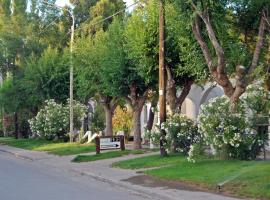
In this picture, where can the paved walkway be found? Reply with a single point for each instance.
(102, 171)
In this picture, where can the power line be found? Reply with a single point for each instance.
(109, 17)
(51, 23)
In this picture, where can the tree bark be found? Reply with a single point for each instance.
(109, 125)
(136, 128)
(151, 118)
(175, 102)
(136, 101)
(16, 126)
(109, 105)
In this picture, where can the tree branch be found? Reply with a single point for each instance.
(184, 93)
(206, 53)
(259, 44)
(128, 100)
(218, 49)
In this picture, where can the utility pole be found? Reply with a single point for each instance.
(71, 110)
(162, 76)
(71, 119)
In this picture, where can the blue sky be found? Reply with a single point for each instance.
(64, 2)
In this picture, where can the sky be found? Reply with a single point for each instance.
(64, 2)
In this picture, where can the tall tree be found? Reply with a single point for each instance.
(206, 15)
(95, 74)
(184, 62)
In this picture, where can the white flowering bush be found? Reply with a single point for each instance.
(257, 104)
(181, 133)
(229, 134)
(256, 99)
(52, 121)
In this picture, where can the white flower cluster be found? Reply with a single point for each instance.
(53, 119)
(223, 129)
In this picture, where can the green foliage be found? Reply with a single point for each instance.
(182, 53)
(101, 64)
(101, 10)
(47, 77)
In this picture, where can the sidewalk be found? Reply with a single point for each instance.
(101, 170)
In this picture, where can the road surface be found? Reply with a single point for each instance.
(25, 180)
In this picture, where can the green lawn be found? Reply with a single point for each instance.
(149, 161)
(57, 148)
(105, 155)
(248, 178)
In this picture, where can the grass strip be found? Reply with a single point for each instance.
(106, 155)
(53, 147)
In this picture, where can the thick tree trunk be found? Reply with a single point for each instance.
(136, 102)
(16, 126)
(109, 126)
(4, 124)
(151, 115)
(150, 120)
(109, 105)
(136, 128)
(175, 102)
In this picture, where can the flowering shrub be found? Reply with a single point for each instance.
(53, 120)
(181, 133)
(228, 134)
(256, 99)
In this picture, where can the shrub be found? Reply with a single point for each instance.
(52, 121)
(229, 134)
(181, 133)
(122, 120)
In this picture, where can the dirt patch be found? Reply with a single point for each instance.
(149, 181)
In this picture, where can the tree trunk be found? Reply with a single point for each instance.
(109, 105)
(150, 121)
(136, 127)
(136, 102)
(162, 76)
(16, 126)
(4, 124)
(109, 126)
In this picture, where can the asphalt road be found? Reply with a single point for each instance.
(25, 180)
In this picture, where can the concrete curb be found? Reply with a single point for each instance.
(135, 188)
(17, 155)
